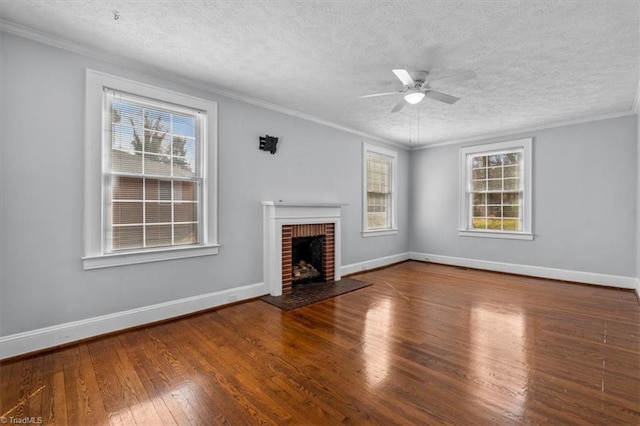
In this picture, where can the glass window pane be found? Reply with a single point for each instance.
(494, 160)
(494, 211)
(126, 212)
(158, 235)
(157, 165)
(184, 160)
(156, 212)
(511, 225)
(479, 173)
(125, 188)
(183, 125)
(511, 171)
(511, 184)
(185, 234)
(185, 212)
(479, 223)
(125, 162)
(126, 237)
(495, 172)
(495, 224)
(511, 211)
(184, 191)
(479, 198)
(511, 198)
(479, 211)
(479, 185)
(511, 158)
(479, 162)
(495, 184)
(494, 198)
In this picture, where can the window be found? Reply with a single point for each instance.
(149, 173)
(379, 192)
(496, 190)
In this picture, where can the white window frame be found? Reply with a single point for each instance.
(95, 163)
(465, 183)
(393, 228)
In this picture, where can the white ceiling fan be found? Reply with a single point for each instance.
(417, 87)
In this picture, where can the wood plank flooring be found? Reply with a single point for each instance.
(426, 344)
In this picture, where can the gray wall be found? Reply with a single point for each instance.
(42, 282)
(584, 201)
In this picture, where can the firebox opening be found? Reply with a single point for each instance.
(306, 257)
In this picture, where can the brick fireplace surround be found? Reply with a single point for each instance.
(285, 221)
(289, 232)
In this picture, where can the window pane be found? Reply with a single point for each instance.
(494, 211)
(495, 185)
(511, 211)
(183, 125)
(479, 162)
(479, 211)
(479, 223)
(479, 198)
(495, 172)
(185, 234)
(184, 160)
(495, 224)
(479, 185)
(158, 235)
(511, 225)
(512, 198)
(127, 237)
(511, 171)
(184, 191)
(511, 184)
(157, 164)
(125, 162)
(494, 198)
(378, 172)
(156, 212)
(511, 158)
(127, 188)
(185, 212)
(124, 213)
(494, 160)
(479, 173)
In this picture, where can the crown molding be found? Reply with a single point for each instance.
(514, 132)
(105, 56)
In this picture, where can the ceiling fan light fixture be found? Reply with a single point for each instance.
(414, 97)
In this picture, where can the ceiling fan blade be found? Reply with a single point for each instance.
(379, 94)
(399, 105)
(452, 79)
(404, 77)
(442, 97)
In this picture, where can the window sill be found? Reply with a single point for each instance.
(132, 258)
(497, 234)
(379, 232)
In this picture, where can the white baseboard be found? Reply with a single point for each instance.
(534, 271)
(36, 340)
(638, 289)
(374, 263)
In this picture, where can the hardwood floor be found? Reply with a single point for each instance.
(426, 344)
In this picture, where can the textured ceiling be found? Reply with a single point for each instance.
(537, 62)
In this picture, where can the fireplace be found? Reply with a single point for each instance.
(307, 247)
(297, 238)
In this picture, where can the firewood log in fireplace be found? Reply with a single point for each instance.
(304, 271)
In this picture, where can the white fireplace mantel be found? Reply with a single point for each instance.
(278, 213)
